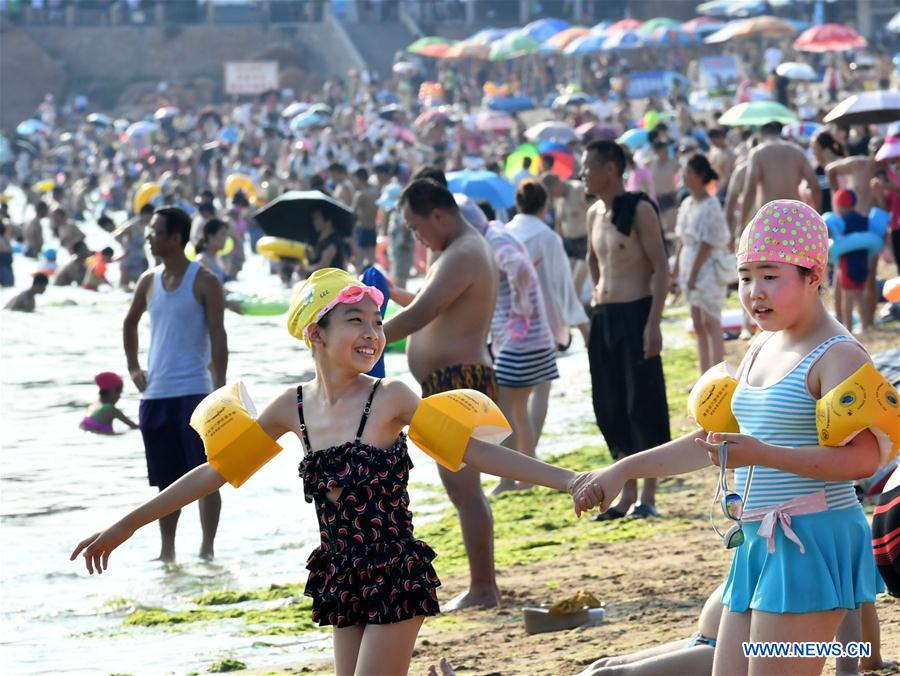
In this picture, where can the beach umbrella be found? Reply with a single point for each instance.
(793, 70)
(294, 109)
(551, 131)
(659, 22)
(31, 127)
(514, 163)
(703, 25)
(591, 131)
(889, 150)
(563, 158)
(483, 185)
(874, 107)
(829, 37)
(587, 44)
(434, 116)
(99, 120)
(757, 113)
(635, 138)
(544, 29)
(166, 113)
(307, 120)
(320, 109)
(623, 41)
(600, 27)
(404, 68)
(496, 121)
(894, 24)
(564, 38)
(513, 46)
(140, 129)
(760, 26)
(671, 37)
(801, 131)
(510, 104)
(734, 8)
(432, 45)
(290, 215)
(623, 25)
(468, 50)
(573, 99)
(488, 35)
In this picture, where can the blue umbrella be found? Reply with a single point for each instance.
(672, 37)
(483, 185)
(544, 29)
(488, 35)
(308, 119)
(545, 147)
(31, 127)
(588, 44)
(623, 40)
(634, 138)
(510, 104)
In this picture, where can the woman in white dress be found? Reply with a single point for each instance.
(702, 247)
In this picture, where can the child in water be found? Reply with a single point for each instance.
(371, 579)
(810, 560)
(102, 412)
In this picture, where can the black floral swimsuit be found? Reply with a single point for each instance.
(369, 568)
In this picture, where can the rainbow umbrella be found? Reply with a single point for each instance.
(756, 114)
(564, 38)
(544, 29)
(432, 45)
(563, 159)
(659, 22)
(829, 37)
(516, 159)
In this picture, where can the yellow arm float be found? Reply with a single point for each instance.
(709, 402)
(444, 423)
(236, 445)
(865, 400)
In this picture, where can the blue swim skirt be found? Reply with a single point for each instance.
(837, 571)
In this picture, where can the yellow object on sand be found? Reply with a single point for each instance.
(236, 446)
(865, 400)
(576, 603)
(444, 423)
(44, 186)
(145, 193)
(241, 182)
(709, 402)
(276, 248)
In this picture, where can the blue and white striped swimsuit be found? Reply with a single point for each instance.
(784, 414)
(836, 568)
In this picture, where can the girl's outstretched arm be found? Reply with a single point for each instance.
(198, 483)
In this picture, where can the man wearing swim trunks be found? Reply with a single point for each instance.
(187, 333)
(628, 266)
(448, 323)
(571, 218)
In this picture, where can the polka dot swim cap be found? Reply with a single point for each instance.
(785, 231)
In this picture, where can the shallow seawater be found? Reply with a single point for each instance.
(59, 485)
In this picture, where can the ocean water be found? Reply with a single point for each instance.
(59, 484)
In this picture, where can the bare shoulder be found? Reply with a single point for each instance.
(400, 399)
(836, 364)
(646, 215)
(469, 251)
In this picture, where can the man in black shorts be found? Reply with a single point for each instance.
(628, 266)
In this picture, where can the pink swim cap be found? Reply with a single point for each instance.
(785, 231)
(108, 381)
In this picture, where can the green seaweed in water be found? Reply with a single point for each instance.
(227, 664)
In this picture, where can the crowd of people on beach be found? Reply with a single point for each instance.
(587, 235)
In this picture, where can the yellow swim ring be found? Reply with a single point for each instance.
(145, 193)
(241, 182)
(276, 248)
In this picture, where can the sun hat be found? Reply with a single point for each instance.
(785, 231)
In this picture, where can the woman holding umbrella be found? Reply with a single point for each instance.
(330, 250)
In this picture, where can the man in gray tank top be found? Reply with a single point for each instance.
(187, 334)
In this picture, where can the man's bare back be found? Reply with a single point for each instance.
(467, 274)
(857, 172)
(775, 170)
(573, 209)
(619, 264)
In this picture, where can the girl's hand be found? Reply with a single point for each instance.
(743, 449)
(99, 546)
(599, 487)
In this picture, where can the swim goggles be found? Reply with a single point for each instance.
(350, 294)
(732, 503)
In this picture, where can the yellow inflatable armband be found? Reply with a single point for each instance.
(444, 423)
(236, 446)
(709, 402)
(865, 400)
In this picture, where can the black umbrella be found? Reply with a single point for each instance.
(290, 215)
(874, 107)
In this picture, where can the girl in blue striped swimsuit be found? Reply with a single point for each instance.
(809, 558)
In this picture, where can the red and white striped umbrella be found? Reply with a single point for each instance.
(829, 37)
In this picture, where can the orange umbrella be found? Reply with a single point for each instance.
(562, 39)
(623, 25)
(829, 37)
(758, 26)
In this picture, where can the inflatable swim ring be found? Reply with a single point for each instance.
(275, 248)
(145, 193)
(241, 182)
(891, 290)
(398, 345)
(856, 241)
(259, 305)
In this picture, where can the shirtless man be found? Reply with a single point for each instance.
(448, 323)
(343, 189)
(628, 266)
(571, 220)
(721, 158)
(775, 170)
(665, 169)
